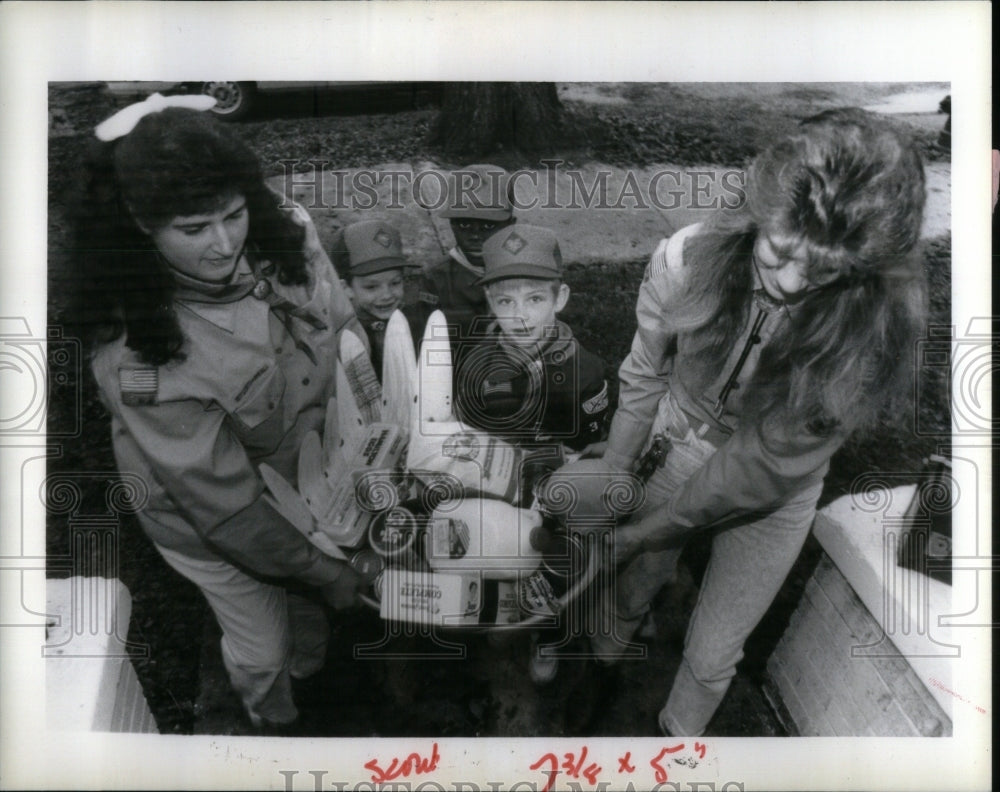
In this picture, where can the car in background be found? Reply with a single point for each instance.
(235, 100)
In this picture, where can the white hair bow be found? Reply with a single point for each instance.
(124, 121)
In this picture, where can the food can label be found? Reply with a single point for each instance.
(449, 538)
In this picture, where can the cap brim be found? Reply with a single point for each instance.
(493, 215)
(379, 265)
(519, 270)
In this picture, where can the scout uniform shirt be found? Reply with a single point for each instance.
(256, 377)
(749, 472)
(454, 283)
(516, 394)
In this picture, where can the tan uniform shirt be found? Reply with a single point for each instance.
(248, 390)
(746, 473)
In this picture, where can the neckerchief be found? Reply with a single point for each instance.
(561, 341)
(192, 289)
(462, 259)
(251, 277)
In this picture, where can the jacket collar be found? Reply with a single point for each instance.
(556, 348)
(460, 257)
(370, 321)
(215, 304)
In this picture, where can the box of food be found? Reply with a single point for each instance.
(433, 598)
(372, 478)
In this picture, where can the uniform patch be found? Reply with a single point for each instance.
(428, 297)
(139, 385)
(514, 244)
(597, 403)
(489, 388)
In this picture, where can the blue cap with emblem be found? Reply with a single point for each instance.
(521, 251)
(372, 246)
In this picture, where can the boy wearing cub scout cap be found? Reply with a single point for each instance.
(478, 204)
(368, 255)
(527, 378)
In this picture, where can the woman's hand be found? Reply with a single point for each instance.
(648, 535)
(342, 593)
(594, 450)
(627, 542)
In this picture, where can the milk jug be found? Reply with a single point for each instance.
(486, 535)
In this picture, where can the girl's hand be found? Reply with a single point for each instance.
(627, 542)
(594, 450)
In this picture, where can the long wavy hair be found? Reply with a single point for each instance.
(850, 188)
(174, 163)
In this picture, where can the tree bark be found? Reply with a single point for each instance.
(484, 118)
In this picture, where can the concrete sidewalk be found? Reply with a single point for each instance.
(600, 213)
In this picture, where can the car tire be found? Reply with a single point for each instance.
(233, 99)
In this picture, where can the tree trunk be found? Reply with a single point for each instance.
(483, 118)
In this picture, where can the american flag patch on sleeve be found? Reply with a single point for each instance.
(138, 386)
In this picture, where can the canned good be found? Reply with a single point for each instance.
(396, 536)
(536, 595)
(393, 532)
(564, 561)
(367, 563)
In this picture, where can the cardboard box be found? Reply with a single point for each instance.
(371, 474)
(430, 598)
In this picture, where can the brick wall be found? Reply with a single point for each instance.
(90, 684)
(820, 688)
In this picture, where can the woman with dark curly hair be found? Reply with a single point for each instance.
(215, 318)
(765, 337)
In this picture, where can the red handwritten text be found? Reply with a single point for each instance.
(572, 766)
(937, 683)
(576, 764)
(414, 763)
(659, 771)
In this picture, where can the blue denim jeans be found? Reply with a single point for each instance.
(750, 559)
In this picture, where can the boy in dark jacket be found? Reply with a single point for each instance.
(525, 378)
(478, 205)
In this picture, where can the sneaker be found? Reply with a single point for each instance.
(593, 693)
(647, 630)
(265, 727)
(661, 724)
(542, 668)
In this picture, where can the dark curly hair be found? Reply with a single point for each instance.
(174, 163)
(851, 188)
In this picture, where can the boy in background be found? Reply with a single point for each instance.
(479, 203)
(369, 258)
